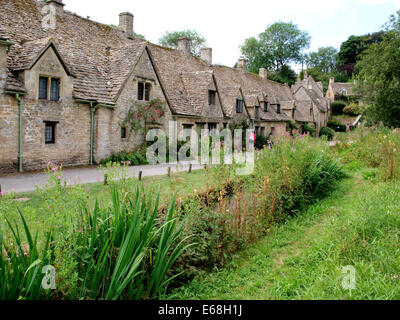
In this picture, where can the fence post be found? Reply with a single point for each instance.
(106, 179)
(190, 168)
(140, 175)
(169, 171)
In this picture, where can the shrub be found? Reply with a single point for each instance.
(260, 142)
(337, 126)
(337, 107)
(328, 132)
(135, 158)
(309, 129)
(352, 109)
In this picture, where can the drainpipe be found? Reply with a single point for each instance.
(20, 126)
(92, 113)
(93, 107)
(20, 131)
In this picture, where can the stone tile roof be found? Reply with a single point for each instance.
(100, 57)
(302, 112)
(184, 77)
(338, 87)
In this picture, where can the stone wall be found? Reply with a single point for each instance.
(72, 131)
(108, 123)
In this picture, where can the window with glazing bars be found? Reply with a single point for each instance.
(43, 87)
(50, 132)
(140, 91)
(239, 106)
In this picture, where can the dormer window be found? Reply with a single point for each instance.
(257, 112)
(265, 106)
(278, 108)
(49, 87)
(239, 106)
(212, 97)
(147, 89)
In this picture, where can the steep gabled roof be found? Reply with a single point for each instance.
(178, 72)
(338, 87)
(99, 56)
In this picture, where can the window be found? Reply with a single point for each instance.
(257, 112)
(123, 133)
(140, 90)
(55, 89)
(43, 87)
(44, 92)
(265, 106)
(344, 92)
(147, 91)
(239, 106)
(211, 97)
(212, 127)
(278, 108)
(50, 132)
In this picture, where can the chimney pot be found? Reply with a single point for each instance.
(263, 73)
(206, 55)
(241, 64)
(58, 5)
(126, 23)
(331, 80)
(184, 45)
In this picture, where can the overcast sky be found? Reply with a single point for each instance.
(227, 23)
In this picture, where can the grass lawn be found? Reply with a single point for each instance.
(38, 208)
(357, 225)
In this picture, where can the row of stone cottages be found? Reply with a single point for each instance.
(65, 92)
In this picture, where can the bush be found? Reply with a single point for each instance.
(135, 158)
(352, 110)
(337, 107)
(260, 142)
(337, 126)
(309, 129)
(328, 132)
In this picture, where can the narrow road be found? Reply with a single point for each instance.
(24, 182)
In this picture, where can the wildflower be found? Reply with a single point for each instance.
(59, 177)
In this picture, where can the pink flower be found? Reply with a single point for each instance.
(2, 193)
(59, 177)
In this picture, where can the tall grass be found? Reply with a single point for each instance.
(112, 249)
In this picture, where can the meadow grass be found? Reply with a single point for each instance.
(358, 225)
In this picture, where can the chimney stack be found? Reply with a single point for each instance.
(206, 55)
(263, 73)
(126, 23)
(58, 5)
(331, 81)
(241, 65)
(184, 45)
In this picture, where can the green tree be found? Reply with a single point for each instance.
(285, 75)
(324, 60)
(379, 77)
(279, 45)
(170, 40)
(351, 50)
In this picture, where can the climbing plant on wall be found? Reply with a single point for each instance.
(141, 114)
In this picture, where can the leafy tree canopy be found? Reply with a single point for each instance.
(170, 40)
(379, 76)
(351, 50)
(279, 45)
(323, 60)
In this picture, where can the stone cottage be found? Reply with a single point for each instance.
(68, 85)
(339, 89)
(311, 105)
